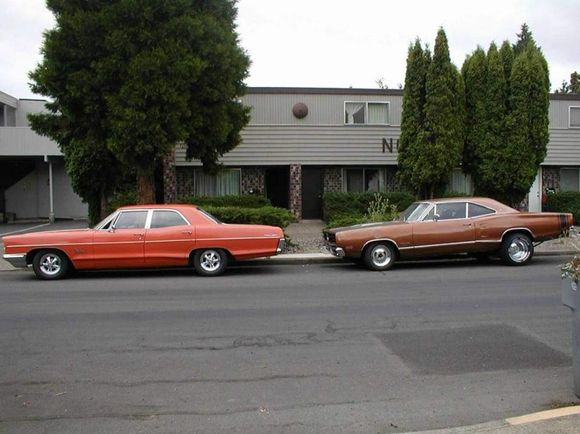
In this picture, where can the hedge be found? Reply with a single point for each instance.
(566, 201)
(243, 201)
(339, 205)
(266, 215)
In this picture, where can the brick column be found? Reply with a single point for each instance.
(295, 192)
(169, 178)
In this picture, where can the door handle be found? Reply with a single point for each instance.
(186, 232)
(138, 235)
(466, 224)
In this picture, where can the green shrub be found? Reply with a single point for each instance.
(122, 198)
(566, 201)
(243, 201)
(336, 205)
(456, 194)
(267, 215)
(344, 220)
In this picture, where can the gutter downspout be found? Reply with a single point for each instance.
(50, 190)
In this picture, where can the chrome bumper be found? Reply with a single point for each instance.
(333, 250)
(16, 259)
(281, 245)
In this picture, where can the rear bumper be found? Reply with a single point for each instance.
(16, 259)
(281, 245)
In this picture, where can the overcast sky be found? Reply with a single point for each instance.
(337, 43)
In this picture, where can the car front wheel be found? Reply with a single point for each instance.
(50, 265)
(517, 249)
(210, 262)
(379, 256)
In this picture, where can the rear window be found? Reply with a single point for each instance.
(479, 210)
(166, 219)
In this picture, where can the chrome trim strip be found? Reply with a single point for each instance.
(382, 239)
(518, 229)
(450, 244)
(236, 238)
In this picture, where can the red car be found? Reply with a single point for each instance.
(143, 237)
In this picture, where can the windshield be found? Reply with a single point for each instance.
(413, 212)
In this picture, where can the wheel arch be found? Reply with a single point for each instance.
(192, 253)
(381, 240)
(31, 254)
(511, 231)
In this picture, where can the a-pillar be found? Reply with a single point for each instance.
(169, 178)
(295, 191)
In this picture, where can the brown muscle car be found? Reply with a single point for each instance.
(144, 236)
(478, 226)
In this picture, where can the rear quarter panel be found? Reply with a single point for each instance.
(242, 241)
(543, 226)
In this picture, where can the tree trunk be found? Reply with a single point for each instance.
(145, 188)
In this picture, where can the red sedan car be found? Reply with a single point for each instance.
(144, 237)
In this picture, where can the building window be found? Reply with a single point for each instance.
(363, 179)
(574, 117)
(370, 113)
(2, 123)
(569, 180)
(460, 183)
(224, 183)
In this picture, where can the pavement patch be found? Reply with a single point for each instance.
(471, 349)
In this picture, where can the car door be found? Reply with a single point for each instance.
(120, 244)
(169, 239)
(444, 230)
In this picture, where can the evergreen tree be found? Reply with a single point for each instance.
(474, 73)
(525, 39)
(412, 116)
(132, 78)
(506, 55)
(575, 82)
(442, 135)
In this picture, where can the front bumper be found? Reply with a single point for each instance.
(334, 250)
(16, 259)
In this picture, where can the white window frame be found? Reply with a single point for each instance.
(366, 114)
(570, 116)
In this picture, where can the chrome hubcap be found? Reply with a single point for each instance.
(50, 264)
(210, 260)
(381, 256)
(519, 250)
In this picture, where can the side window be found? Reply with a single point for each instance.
(131, 220)
(449, 211)
(165, 219)
(477, 210)
(430, 215)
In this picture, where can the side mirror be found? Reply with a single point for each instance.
(436, 217)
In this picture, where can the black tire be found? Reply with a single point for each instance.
(210, 262)
(379, 256)
(517, 249)
(50, 265)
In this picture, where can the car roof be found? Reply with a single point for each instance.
(485, 201)
(159, 206)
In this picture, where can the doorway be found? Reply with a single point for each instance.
(312, 187)
(277, 183)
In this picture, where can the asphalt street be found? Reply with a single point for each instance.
(326, 348)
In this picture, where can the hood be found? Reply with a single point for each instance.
(44, 237)
(364, 226)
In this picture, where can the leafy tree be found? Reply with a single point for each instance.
(441, 138)
(412, 117)
(575, 82)
(155, 74)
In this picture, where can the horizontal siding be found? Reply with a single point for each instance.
(559, 114)
(322, 145)
(268, 109)
(564, 147)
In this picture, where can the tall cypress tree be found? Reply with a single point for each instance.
(474, 73)
(441, 139)
(413, 113)
(506, 55)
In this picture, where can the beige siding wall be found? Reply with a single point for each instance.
(276, 109)
(559, 113)
(321, 145)
(564, 147)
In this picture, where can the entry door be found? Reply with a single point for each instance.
(311, 193)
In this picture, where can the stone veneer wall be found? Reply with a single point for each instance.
(169, 178)
(551, 177)
(295, 193)
(184, 181)
(253, 180)
(332, 179)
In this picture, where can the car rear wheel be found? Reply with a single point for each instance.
(379, 256)
(517, 249)
(210, 262)
(50, 265)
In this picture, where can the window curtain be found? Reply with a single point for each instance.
(375, 180)
(351, 109)
(378, 113)
(569, 180)
(460, 183)
(226, 182)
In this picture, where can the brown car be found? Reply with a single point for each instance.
(474, 225)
